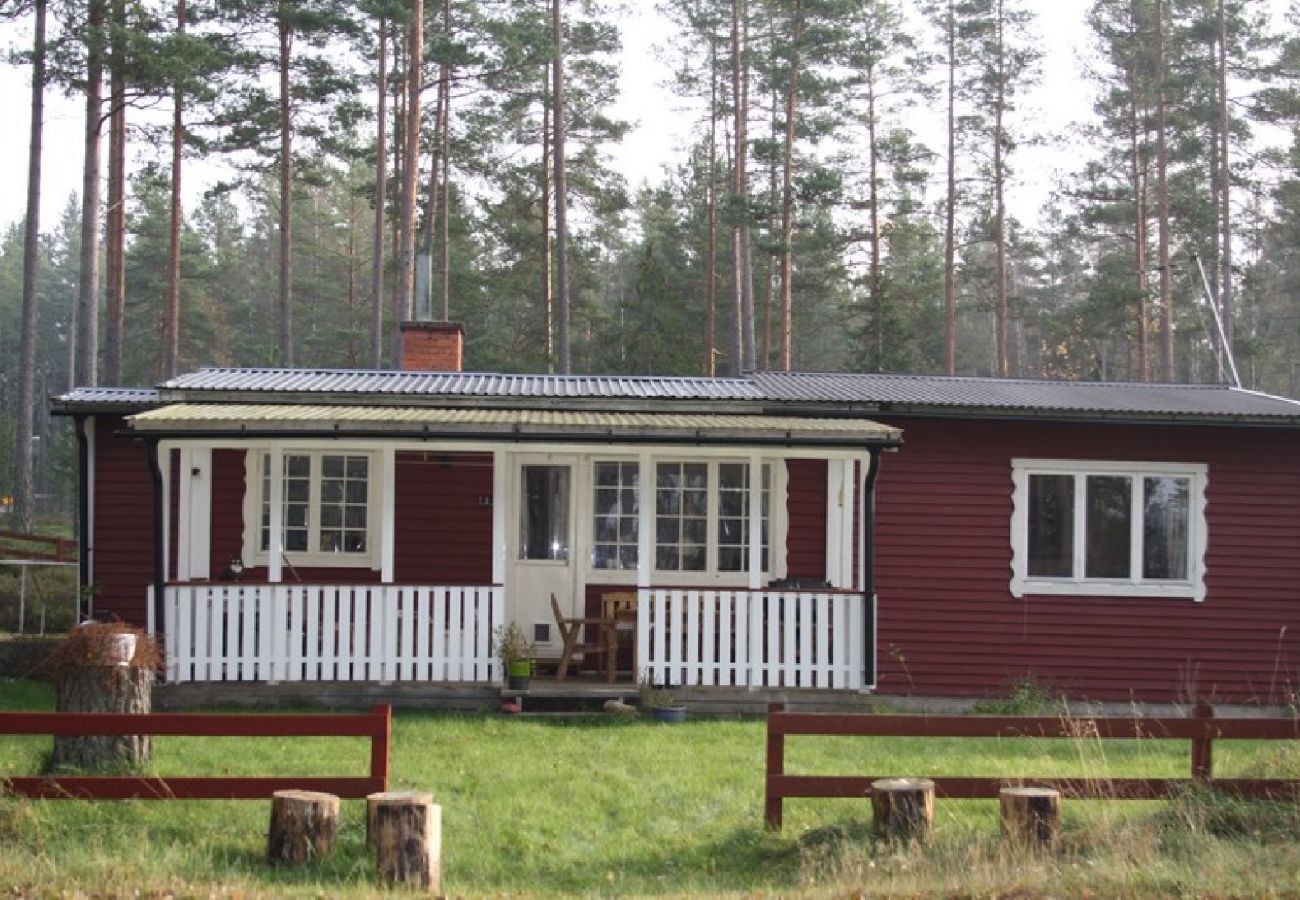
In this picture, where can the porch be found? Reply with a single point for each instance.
(392, 634)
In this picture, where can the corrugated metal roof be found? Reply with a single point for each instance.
(464, 384)
(1027, 395)
(104, 397)
(290, 418)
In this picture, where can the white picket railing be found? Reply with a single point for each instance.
(300, 632)
(751, 638)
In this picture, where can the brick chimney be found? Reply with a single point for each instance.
(433, 346)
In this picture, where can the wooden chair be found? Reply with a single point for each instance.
(618, 610)
(572, 628)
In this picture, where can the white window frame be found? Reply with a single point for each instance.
(253, 554)
(776, 527)
(1193, 587)
(711, 570)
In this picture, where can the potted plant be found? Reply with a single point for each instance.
(516, 654)
(662, 703)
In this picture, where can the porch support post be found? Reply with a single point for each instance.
(499, 517)
(85, 429)
(387, 514)
(275, 541)
(159, 530)
(645, 519)
(165, 470)
(839, 522)
(194, 519)
(867, 567)
(755, 521)
(645, 523)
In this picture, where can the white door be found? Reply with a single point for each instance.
(542, 546)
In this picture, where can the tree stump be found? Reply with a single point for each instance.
(1030, 815)
(408, 839)
(303, 826)
(94, 688)
(903, 808)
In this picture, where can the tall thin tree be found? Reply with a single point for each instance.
(172, 317)
(86, 371)
(24, 486)
(410, 159)
(562, 312)
(115, 211)
(381, 186)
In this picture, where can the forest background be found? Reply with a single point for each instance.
(855, 185)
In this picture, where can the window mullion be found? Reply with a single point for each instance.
(1136, 518)
(1080, 526)
(712, 507)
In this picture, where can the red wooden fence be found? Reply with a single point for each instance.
(18, 545)
(1201, 731)
(376, 725)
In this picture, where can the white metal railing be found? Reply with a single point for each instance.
(301, 632)
(751, 638)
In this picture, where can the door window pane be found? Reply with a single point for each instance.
(1166, 510)
(1108, 548)
(544, 513)
(1051, 526)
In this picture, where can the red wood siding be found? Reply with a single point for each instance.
(444, 532)
(947, 621)
(227, 509)
(805, 543)
(123, 526)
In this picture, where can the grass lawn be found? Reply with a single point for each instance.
(591, 805)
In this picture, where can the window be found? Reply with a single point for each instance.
(544, 518)
(702, 516)
(1103, 528)
(327, 508)
(615, 510)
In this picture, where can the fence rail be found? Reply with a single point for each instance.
(376, 725)
(18, 545)
(299, 632)
(752, 638)
(1201, 730)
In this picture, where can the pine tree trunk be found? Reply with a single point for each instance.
(1137, 185)
(561, 200)
(115, 229)
(1001, 367)
(746, 245)
(410, 161)
(381, 190)
(445, 118)
(1226, 301)
(875, 282)
(1162, 203)
(172, 329)
(117, 689)
(950, 207)
(87, 357)
(787, 194)
(24, 484)
(711, 202)
(285, 320)
(548, 244)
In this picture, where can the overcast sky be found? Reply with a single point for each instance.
(661, 125)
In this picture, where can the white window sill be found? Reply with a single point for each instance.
(1181, 590)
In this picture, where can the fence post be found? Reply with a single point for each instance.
(379, 745)
(775, 767)
(1203, 745)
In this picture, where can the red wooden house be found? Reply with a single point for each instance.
(1114, 540)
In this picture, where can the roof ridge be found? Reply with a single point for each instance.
(996, 379)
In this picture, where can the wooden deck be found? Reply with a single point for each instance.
(543, 695)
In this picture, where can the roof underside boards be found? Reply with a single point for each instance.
(463, 384)
(1084, 398)
(516, 425)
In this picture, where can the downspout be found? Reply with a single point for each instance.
(159, 567)
(869, 568)
(84, 600)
